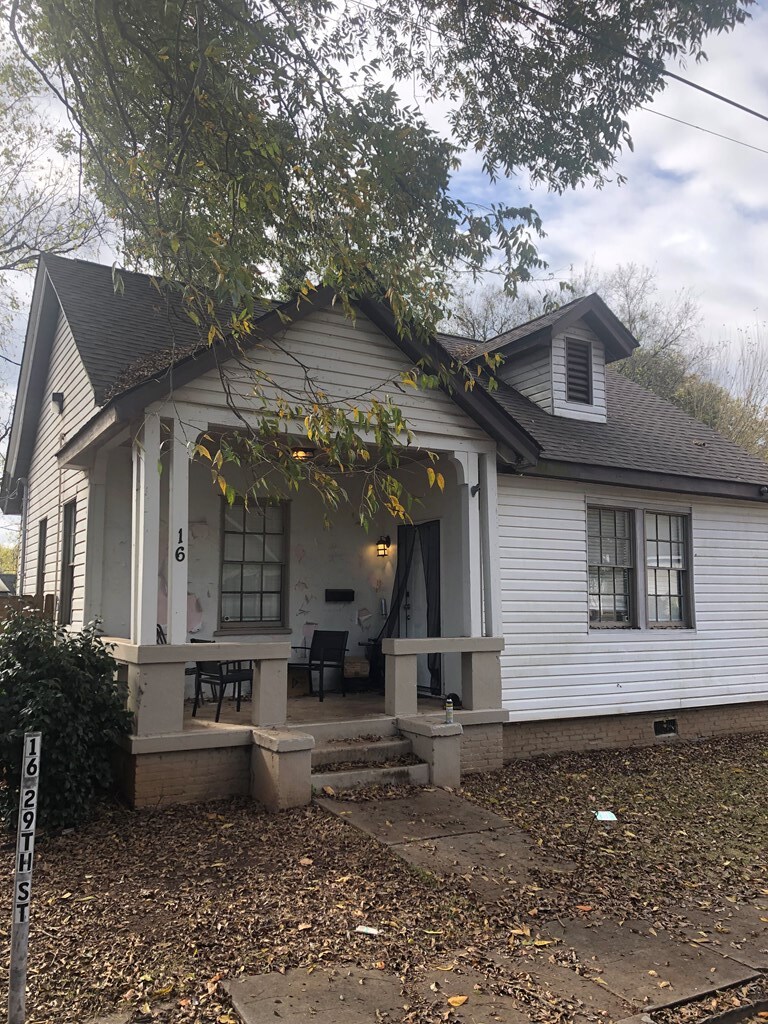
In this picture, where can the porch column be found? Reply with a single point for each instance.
(489, 545)
(146, 531)
(470, 581)
(178, 534)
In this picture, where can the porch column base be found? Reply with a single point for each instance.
(156, 697)
(439, 745)
(481, 679)
(281, 768)
(400, 693)
(269, 706)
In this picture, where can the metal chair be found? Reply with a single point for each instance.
(326, 650)
(219, 675)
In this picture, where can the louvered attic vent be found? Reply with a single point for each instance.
(578, 371)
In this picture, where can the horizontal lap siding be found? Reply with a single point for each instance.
(555, 667)
(347, 361)
(48, 487)
(532, 379)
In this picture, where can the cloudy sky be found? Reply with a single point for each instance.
(695, 206)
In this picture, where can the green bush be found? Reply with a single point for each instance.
(61, 684)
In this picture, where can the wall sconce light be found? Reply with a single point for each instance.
(382, 546)
(302, 454)
(57, 399)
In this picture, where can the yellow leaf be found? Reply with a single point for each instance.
(457, 1000)
(223, 485)
(441, 481)
(431, 476)
(202, 450)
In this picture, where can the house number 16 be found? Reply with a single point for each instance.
(180, 553)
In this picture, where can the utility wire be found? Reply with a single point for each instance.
(8, 360)
(701, 128)
(640, 60)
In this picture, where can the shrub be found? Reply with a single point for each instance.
(61, 684)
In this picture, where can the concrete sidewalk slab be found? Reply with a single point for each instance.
(484, 1000)
(646, 969)
(739, 932)
(427, 815)
(490, 862)
(325, 996)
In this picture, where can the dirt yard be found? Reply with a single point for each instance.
(148, 912)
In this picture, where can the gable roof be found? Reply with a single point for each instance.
(618, 341)
(138, 344)
(135, 327)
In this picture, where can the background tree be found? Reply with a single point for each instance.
(243, 142)
(42, 206)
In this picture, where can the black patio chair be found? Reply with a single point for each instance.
(326, 650)
(219, 675)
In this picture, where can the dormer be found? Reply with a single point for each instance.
(558, 360)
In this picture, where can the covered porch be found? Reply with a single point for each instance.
(175, 555)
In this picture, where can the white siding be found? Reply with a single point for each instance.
(554, 666)
(532, 378)
(576, 410)
(51, 487)
(344, 359)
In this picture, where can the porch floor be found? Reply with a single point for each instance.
(306, 709)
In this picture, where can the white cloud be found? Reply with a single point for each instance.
(695, 206)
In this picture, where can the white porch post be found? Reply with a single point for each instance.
(489, 544)
(178, 535)
(146, 531)
(471, 589)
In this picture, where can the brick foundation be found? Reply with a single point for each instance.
(184, 776)
(482, 748)
(531, 739)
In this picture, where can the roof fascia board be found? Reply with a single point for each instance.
(476, 403)
(582, 472)
(33, 375)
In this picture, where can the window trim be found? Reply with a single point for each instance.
(581, 342)
(632, 619)
(67, 567)
(42, 551)
(240, 626)
(640, 591)
(689, 619)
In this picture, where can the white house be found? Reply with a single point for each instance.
(593, 574)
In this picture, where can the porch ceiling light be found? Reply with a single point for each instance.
(382, 546)
(302, 454)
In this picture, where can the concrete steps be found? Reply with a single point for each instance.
(324, 731)
(401, 775)
(371, 751)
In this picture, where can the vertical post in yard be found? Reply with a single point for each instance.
(22, 884)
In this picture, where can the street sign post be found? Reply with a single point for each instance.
(22, 885)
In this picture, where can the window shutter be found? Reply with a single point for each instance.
(578, 371)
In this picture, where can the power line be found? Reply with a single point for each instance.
(701, 128)
(8, 360)
(640, 60)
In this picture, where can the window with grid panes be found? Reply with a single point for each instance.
(253, 564)
(610, 539)
(666, 569)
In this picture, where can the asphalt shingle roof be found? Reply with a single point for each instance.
(129, 336)
(642, 432)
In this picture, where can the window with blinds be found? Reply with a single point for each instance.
(578, 371)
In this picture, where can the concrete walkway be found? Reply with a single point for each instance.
(630, 968)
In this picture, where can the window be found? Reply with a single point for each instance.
(253, 564)
(666, 560)
(67, 563)
(578, 371)
(639, 569)
(42, 540)
(611, 567)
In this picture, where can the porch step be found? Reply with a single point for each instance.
(370, 751)
(403, 775)
(325, 731)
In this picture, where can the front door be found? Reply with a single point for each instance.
(420, 612)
